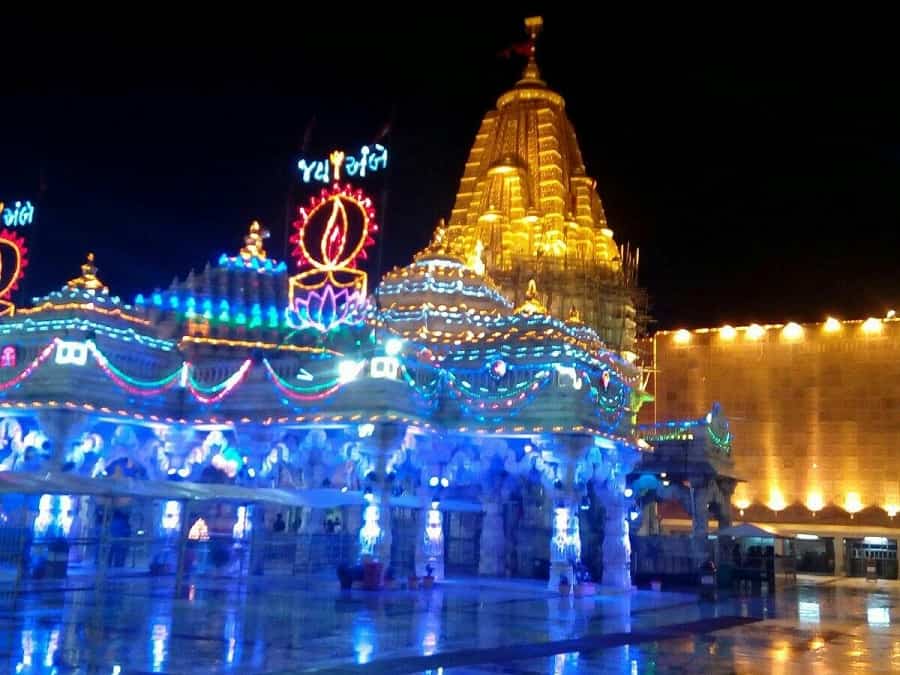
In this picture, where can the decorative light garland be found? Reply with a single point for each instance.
(479, 401)
(85, 306)
(30, 368)
(226, 342)
(124, 334)
(131, 384)
(223, 388)
(194, 385)
(315, 393)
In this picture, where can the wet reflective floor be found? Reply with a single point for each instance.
(468, 626)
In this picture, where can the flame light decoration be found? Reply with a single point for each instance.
(13, 261)
(331, 236)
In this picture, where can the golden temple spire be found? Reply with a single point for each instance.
(532, 304)
(574, 316)
(253, 242)
(526, 195)
(88, 279)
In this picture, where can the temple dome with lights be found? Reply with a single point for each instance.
(526, 199)
(441, 294)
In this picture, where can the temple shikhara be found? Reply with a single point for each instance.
(472, 412)
(526, 201)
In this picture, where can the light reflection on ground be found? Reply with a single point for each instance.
(471, 626)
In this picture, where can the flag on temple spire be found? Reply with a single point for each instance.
(524, 48)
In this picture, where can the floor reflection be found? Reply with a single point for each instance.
(464, 627)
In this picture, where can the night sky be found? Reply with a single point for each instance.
(757, 170)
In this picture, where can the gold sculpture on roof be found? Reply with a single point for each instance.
(532, 304)
(88, 279)
(253, 242)
(574, 316)
(437, 248)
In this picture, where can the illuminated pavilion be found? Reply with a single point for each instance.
(477, 412)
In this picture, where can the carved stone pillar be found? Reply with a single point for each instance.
(726, 489)
(492, 553)
(565, 542)
(385, 439)
(616, 540)
(616, 535)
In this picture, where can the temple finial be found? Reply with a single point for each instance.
(533, 24)
(253, 242)
(438, 244)
(532, 304)
(88, 279)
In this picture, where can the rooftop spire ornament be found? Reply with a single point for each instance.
(88, 280)
(438, 245)
(533, 24)
(253, 242)
(532, 304)
(332, 234)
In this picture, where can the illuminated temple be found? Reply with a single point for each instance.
(475, 412)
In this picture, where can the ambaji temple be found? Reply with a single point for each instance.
(473, 413)
(494, 407)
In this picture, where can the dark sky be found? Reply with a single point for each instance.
(756, 167)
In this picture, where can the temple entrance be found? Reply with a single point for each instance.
(462, 536)
(405, 529)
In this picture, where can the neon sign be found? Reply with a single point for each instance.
(331, 236)
(19, 215)
(8, 357)
(13, 261)
(328, 170)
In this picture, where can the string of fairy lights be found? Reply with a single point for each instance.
(608, 393)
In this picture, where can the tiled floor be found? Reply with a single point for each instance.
(469, 626)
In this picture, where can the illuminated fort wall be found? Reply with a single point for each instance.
(815, 408)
